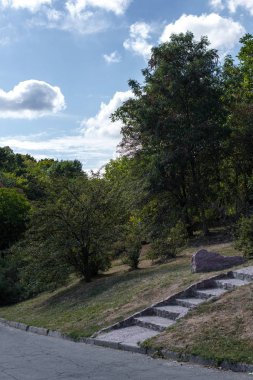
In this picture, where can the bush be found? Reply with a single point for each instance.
(244, 236)
(10, 289)
(168, 247)
(14, 209)
(132, 255)
(132, 243)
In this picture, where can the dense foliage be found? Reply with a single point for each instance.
(186, 165)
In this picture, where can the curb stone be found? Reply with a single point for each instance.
(225, 365)
(38, 330)
(169, 355)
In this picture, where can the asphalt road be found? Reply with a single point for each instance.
(27, 356)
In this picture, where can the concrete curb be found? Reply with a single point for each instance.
(225, 365)
(35, 330)
(168, 355)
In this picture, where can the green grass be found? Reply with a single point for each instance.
(81, 309)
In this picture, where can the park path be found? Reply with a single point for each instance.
(28, 356)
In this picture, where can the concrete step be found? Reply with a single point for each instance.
(132, 335)
(189, 302)
(153, 322)
(230, 283)
(171, 311)
(244, 274)
(210, 292)
(147, 326)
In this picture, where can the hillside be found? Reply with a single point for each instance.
(80, 309)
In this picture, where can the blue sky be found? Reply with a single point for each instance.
(65, 65)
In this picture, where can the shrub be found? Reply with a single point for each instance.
(244, 236)
(132, 254)
(10, 289)
(14, 209)
(132, 243)
(169, 246)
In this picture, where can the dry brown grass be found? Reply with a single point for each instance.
(221, 330)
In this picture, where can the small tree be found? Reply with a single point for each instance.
(244, 236)
(133, 243)
(168, 247)
(72, 232)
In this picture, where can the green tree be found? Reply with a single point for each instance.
(14, 209)
(71, 232)
(175, 121)
(237, 98)
(132, 243)
(66, 168)
(169, 246)
(7, 159)
(244, 236)
(10, 288)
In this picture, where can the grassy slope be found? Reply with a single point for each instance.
(220, 330)
(81, 309)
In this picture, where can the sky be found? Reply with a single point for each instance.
(65, 65)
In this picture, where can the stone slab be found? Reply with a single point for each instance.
(244, 273)
(212, 292)
(18, 325)
(205, 261)
(153, 320)
(231, 283)
(128, 335)
(189, 302)
(171, 311)
(38, 330)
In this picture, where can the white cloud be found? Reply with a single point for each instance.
(85, 22)
(222, 32)
(94, 145)
(32, 5)
(75, 7)
(82, 16)
(31, 99)
(233, 5)
(217, 4)
(101, 125)
(114, 57)
(53, 15)
(138, 40)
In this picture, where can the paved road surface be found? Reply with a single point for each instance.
(27, 356)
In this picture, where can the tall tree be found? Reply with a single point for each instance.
(237, 98)
(175, 119)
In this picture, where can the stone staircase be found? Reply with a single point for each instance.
(131, 332)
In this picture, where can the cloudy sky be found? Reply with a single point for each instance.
(65, 65)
